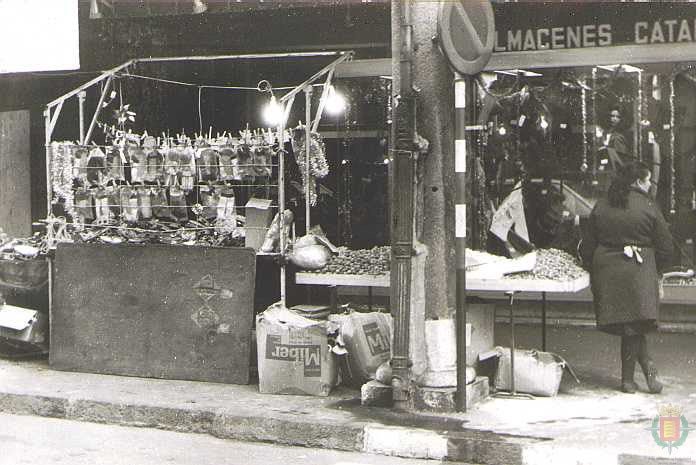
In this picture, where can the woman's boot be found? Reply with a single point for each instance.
(629, 355)
(648, 365)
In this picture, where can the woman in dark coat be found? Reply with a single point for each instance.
(626, 248)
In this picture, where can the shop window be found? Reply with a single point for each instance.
(559, 135)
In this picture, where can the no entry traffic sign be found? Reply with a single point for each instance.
(467, 33)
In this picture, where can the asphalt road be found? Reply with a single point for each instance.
(28, 440)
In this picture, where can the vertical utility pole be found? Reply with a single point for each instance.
(403, 136)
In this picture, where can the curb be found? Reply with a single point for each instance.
(471, 446)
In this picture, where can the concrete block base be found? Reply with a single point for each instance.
(376, 394)
(443, 399)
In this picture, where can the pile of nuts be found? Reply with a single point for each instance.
(553, 264)
(372, 261)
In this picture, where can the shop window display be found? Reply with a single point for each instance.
(559, 135)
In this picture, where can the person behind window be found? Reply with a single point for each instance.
(615, 147)
(626, 246)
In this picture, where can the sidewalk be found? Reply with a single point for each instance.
(590, 423)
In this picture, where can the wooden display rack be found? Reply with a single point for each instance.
(53, 110)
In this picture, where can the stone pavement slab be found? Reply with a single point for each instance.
(583, 425)
(590, 423)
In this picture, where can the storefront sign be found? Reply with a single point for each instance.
(548, 26)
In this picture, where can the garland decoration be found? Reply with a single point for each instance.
(584, 166)
(318, 166)
(62, 175)
(594, 110)
(672, 151)
(639, 118)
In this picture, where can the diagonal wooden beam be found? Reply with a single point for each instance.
(98, 109)
(345, 56)
(54, 119)
(322, 100)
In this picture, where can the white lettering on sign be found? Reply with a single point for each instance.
(588, 35)
(665, 32)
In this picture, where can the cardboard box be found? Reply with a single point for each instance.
(293, 354)
(259, 215)
(22, 324)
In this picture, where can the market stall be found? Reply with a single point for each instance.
(158, 231)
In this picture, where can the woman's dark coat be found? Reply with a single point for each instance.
(626, 291)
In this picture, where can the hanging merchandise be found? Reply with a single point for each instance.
(83, 205)
(114, 163)
(101, 202)
(245, 161)
(138, 163)
(483, 214)
(177, 201)
(209, 199)
(145, 202)
(160, 204)
(113, 200)
(262, 156)
(208, 163)
(80, 158)
(187, 168)
(228, 164)
(155, 165)
(96, 166)
(172, 160)
(129, 204)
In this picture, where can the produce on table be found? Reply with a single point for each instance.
(553, 264)
(372, 261)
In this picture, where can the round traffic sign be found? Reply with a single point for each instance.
(467, 33)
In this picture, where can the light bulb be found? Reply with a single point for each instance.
(502, 131)
(335, 103)
(544, 124)
(199, 7)
(273, 112)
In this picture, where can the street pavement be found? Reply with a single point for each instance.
(26, 440)
(590, 423)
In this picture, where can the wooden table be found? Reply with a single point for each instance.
(511, 286)
(334, 280)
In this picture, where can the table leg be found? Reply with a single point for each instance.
(512, 345)
(543, 321)
(333, 298)
(513, 391)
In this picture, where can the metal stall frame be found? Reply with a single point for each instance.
(53, 110)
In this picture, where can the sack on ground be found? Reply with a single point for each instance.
(537, 373)
(367, 340)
